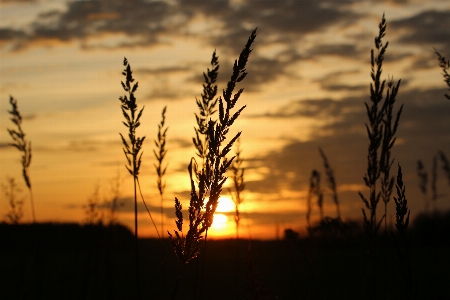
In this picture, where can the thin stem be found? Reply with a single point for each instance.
(32, 205)
(148, 211)
(136, 240)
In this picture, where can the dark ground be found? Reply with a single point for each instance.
(69, 261)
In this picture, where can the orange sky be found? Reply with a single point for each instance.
(307, 83)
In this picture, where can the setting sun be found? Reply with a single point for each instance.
(225, 204)
(219, 221)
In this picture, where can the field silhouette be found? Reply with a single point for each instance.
(71, 261)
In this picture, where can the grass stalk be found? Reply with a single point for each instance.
(314, 191)
(403, 243)
(445, 165)
(381, 131)
(160, 154)
(11, 191)
(132, 148)
(24, 146)
(445, 66)
(211, 177)
(331, 182)
(237, 175)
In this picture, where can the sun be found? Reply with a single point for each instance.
(225, 204)
(219, 222)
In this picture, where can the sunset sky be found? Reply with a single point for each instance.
(308, 78)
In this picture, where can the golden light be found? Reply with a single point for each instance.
(219, 221)
(225, 204)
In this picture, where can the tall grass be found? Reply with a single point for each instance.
(132, 148)
(160, 153)
(331, 182)
(445, 165)
(211, 178)
(207, 108)
(445, 66)
(381, 131)
(24, 146)
(237, 175)
(92, 208)
(11, 191)
(403, 243)
(314, 191)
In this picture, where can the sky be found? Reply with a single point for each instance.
(308, 78)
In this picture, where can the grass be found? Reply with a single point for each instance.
(160, 153)
(403, 243)
(445, 66)
(331, 182)
(237, 175)
(323, 266)
(24, 146)
(12, 191)
(381, 131)
(211, 177)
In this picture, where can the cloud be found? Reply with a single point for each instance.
(5, 145)
(344, 139)
(85, 19)
(343, 50)
(428, 27)
(316, 108)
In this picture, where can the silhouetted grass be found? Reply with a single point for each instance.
(381, 131)
(95, 261)
(331, 182)
(24, 146)
(212, 176)
(445, 66)
(403, 243)
(314, 191)
(11, 192)
(160, 154)
(423, 183)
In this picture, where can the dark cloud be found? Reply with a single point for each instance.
(10, 34)
(333, 82)
(163, 70)
(182, 143)
(5, 145)
(148, 21)
(84, 19)
(17, 1)
(344, 139)
(277, 20)
(316, 108)
(167, 92)
(343, 50)
(429, 27)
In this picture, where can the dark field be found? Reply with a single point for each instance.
(69, 261)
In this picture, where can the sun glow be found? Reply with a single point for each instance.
(223, 224)
(219, 222)
(225, 204)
